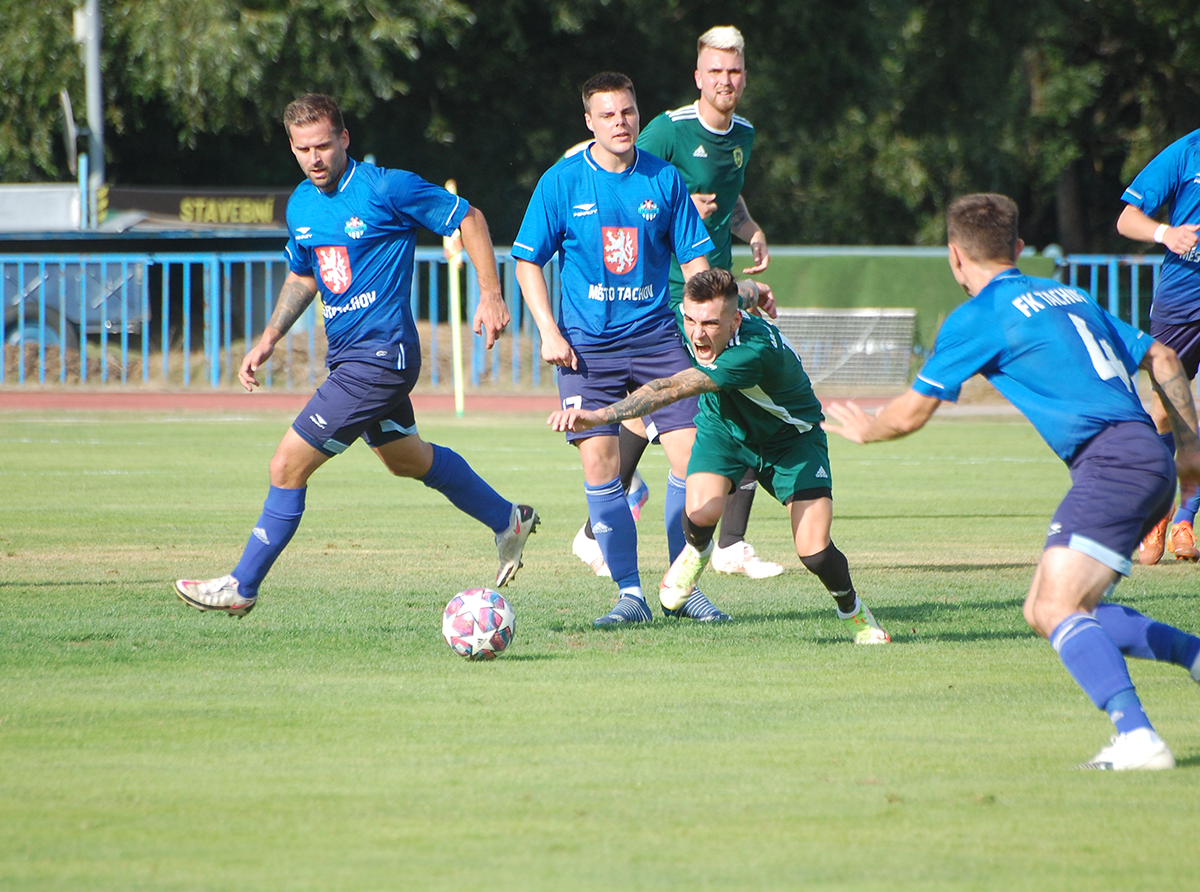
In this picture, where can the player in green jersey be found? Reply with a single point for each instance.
(710, 145)
(757, 413)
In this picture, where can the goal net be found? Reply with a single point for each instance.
(852, 348)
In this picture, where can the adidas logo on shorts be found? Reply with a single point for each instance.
(821, 474)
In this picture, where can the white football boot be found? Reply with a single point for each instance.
(511, 542)
(1139, 750)
(588, 551)
(740, 558)
(219, 594)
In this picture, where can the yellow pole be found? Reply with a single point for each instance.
(452, 245)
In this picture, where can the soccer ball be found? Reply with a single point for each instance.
(478, 623)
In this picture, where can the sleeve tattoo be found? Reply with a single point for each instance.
(1176, 396)
(294, 298)
(660, 392)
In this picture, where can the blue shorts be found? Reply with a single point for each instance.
(1184, 339)
(605, 378)
(1122, 482)
(359, 400)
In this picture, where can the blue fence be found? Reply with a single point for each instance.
(173, 319)
(1124, 284)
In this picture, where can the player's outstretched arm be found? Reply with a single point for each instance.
(744, 227)
(1174, 391)
(294, 297)
(1134, 224)
(650, 397)
(555, 349)
(900, 417)
(491, 316)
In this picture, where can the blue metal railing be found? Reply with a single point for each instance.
(134, 315)
(1124, 284)
(151, 303)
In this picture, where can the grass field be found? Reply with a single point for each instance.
(331, 740)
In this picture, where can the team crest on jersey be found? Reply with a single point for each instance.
(356, 227)
(648, 210)
(620, 248)
(739, 156)
(334, 264)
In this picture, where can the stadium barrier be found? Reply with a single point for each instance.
(167, 320)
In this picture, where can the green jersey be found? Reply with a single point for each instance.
(765, 398)
(711, 162)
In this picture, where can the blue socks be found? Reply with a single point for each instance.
(467, 491)
(280, 518)
(615, 531)
(1139, 636)
(1098, 667)
(673, 506)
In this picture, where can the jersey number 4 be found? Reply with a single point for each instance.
(1104, 360)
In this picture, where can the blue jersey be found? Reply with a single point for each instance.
(1173, 177)
(1050, 349)
(616, 233)
(358, 243)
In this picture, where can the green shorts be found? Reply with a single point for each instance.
(795, 469)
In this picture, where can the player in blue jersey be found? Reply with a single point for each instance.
(352, 230)
(1171, 179)
(1067, 365)
(616, 215)
(710, 145)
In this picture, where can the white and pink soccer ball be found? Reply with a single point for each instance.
(478, 624)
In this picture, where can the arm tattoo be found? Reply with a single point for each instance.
(658, 393)
(740, 216)
(294, 298)
(1175, 394)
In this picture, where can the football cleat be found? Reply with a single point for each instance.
(219, 594)
(1150, 549)
(637, 494)
(588, 551)
(1139, 750)
(699, 608)
(1183, 542)
(866, 630)
(682, 576)
(740, 558)
(511, 542)
(627, 610)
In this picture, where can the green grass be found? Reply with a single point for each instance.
(332, 741)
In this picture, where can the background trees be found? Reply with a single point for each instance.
(871, 114)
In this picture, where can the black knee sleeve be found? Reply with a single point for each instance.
(832, 568)
(698, 537)
(737, 510)
(632, 447)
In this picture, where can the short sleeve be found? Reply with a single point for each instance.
(1157, 183)
(540, 235)
(689, 236)
(962, 349)
(418, 201)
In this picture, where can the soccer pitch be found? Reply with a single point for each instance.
(331, 740)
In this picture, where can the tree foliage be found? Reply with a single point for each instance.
(871, 114)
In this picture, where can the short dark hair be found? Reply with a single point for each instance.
(984, 226)
(311, 108)
(606, 82)
(711, 284)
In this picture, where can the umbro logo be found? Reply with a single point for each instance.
(584, 210)
(318, 421)
(600, 528)
(699, 153)
(1055, 528)
(261, 535)
(821, 473)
